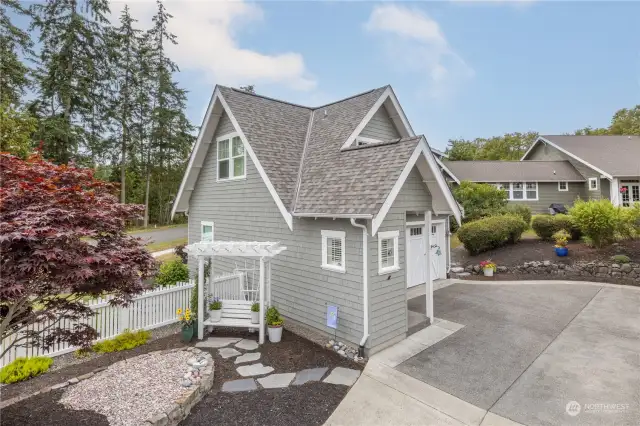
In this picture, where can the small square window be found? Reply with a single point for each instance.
(388, 252)
(206, 231)
(563, 186)
(333, 250)
(593, 184)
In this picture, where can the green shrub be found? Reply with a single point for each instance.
(125, 341)
(491, 232)
(479, 199)
(172, 272)
(629, 221)
(24, 368)
(273, 317)
(567, 223)
(453, 225)
(620, 258)
(215, 305)
(544, 226)
(520, 210)
(255, 307)
(599, 220)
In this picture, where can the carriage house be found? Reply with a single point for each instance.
(348, 188)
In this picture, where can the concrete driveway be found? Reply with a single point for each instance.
(534, 354)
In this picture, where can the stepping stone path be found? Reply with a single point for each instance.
(338, 376)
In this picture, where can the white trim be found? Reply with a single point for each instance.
(421, 149)
(575, 157)
(510, 191)
(334, 216)
(395, 236)
(365, 140)
(333, 234)
(422, 222)
(207, 223)
(593, 179)
(446, 169)
(304, 154)
(560, 187)
(614, 192)
(229, 137)
(387, 94)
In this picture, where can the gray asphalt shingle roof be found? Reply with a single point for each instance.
(615, 155)
(509, 171)
(332, 181)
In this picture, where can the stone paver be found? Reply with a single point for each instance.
(342, 376)
(248, 357)
(247, 345)
(276, 380)
(254, 370)
(217, 342)
(228, 352)
(309, 375)
(242, 385)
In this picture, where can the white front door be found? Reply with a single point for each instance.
(415, 254)
(630, 193)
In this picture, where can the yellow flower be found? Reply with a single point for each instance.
(187, 316)
(179, 311)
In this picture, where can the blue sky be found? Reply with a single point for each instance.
(459, 69)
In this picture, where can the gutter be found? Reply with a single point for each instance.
(335, 216)
(365, 287)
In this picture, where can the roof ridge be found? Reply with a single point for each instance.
(266, 97)
(301, 167)
(507, 161)
(351, 97)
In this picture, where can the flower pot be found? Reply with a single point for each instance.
(255, 317)
(216, 315)
(187, 333)
(275, 333)
(562, 251)
(488, 272)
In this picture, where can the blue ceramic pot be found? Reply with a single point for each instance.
(562, 251)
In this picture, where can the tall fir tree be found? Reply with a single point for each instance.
(72, 78)
(15, 46)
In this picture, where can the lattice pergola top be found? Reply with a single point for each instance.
(235, 248)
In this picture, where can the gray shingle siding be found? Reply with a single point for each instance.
(301, 289)
(380, 127)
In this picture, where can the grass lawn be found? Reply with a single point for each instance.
(167, 257)
(166, 244)
(139, 229)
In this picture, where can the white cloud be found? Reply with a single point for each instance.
(415, 42)
(207, 42)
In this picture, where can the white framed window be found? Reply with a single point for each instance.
(593, 184)
(563, 186)
(532, 190)
(206, 231)
(361, 140)
(519, 191)
(232, 162)
(388, 252)
(333, 250)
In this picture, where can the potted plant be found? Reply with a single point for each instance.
(215, 309)
(186, 319)
(274, 324)
(488, 267)
(255, 313)
(561, 237)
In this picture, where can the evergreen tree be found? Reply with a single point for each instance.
(14, 42)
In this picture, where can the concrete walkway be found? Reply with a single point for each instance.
(529, 353)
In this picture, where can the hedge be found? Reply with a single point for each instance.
(520, 210)
(491, 232)
(545, 226)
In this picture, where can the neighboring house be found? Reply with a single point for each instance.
(560, 169)
(347, 187)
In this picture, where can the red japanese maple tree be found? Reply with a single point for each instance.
(62, 237)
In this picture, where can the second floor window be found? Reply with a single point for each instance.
(231, 158)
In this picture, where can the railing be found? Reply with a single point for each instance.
(149, 310)
(238, 285)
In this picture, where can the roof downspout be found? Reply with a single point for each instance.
(365, 287)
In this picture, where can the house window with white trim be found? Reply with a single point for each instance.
(517, 192)
(231, 158)
(388, 252)
(563, 186)
(333, 250)
(532, 190)
(593, 184)
(360, 140)
(206, 231)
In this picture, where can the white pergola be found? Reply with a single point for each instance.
(253, 249)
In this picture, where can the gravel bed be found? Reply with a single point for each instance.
(133, 390)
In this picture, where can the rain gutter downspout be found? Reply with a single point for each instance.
(365, 287)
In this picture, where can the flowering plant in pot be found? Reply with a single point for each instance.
(488, 267)
(215, 309)
(255, 313)
(274, 324)
(561, 237)
(186, 320)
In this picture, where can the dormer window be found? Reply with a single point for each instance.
(360, 141)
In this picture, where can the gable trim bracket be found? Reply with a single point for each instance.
(197, 153)
(575, 157)
(422, 149)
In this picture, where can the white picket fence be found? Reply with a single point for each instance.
(151, 309)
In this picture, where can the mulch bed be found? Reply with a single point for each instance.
(309, 404)
(529, 250)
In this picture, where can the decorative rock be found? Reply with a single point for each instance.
(242, 385)
(342, 376)
(74, 381)
(332, 342)
(546, 263)
(341, 352)
(217, 342)
(248, 357)
(159, 420)
(309, 375)
(276, 380)
(59, 386)
(227, 353)
(85, 376)
(254, 370)
(192, 361)
(336, 347)
(328, 346)
(626, 268)
(247, 345)
(186, 383)
(457, 269)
